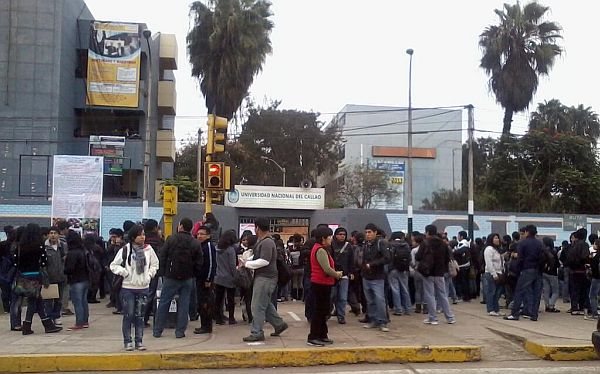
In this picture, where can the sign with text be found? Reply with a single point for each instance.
(245, 196)
(77, 183)
(113, 67)
(112, 149)
(395, 173)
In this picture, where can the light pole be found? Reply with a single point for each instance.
(276, 164)
(147, 34)
(409, 195)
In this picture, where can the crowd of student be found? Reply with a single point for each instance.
(205, 269)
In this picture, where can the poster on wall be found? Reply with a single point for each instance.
(113, 64)
(112, 149)
(395, 173)
(77, 183)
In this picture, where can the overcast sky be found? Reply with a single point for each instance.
(328, 53)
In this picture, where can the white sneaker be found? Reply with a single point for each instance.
(129, 347)
(431, 322)
(494, 314)
(58, 322)
(383, 328)
(369, 326)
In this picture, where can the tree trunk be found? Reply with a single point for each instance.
(508, 114)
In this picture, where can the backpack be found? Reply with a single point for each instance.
(546, 260)
(94, 269)
(401, 256)
(284, 273)
(425, 266)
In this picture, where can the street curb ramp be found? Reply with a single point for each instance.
(234, 359)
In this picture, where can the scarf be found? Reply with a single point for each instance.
(139, 257)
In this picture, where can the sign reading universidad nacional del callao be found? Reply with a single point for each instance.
(245, 196)
(113, 67)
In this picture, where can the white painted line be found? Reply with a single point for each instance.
(294, 316)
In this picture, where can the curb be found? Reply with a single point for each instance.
(564, 352)
(235, 359)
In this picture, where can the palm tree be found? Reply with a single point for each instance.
(227, 47)
(554, 117)
(515, 52)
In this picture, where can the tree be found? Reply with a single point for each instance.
(553, 117)
(517, 51)
(361, 186)
(294, 139)
(186, 160)
(187, 189)
(446, 200)
(227, 47)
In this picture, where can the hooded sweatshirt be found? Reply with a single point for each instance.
(226, 265)
(131, 279)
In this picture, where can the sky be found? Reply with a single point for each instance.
(329, 53)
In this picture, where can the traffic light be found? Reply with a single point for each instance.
(170, 200)
(214, 175)
(217, 134)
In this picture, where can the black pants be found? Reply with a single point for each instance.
(318, 323)
(151, 298)
(246, 295)
(462, 284)
(219, 296)
(579, 288)
(206, 304)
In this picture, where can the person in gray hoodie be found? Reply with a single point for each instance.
(226, 266)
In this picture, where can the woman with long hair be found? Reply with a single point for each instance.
(138, 265)
(30, 259)
(76, 269)
(550, 278)
(226, 268)
(322, 278)
(494, 274)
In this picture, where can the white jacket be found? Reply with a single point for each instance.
(131, 279)
(494, 262)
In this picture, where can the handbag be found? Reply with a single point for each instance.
(26, 285)
(500, 279)
(242, 278)
(453, 268)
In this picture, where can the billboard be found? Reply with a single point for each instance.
(77, 192)
(113, 64)
(112, 149)
(395, 173)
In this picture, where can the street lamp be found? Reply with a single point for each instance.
(276, 164)
(409, 177)
(147, 34)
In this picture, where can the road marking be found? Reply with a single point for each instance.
(504, 370)
(294, 316)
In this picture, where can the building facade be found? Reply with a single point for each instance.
(44, 102)
(376, 136)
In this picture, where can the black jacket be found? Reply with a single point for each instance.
(436, 250)
(376, 254)
(76, 266)
(343, 260)
(181, 257)
(578, 256)
(209, 263)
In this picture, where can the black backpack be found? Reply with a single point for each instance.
(425, 266)
(94, 269)
(401, 255)
(284, 273)
(546, 260)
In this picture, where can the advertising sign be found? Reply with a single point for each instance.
(77, 192)
(113, 64)
(112, 149)
(245, 196)
(395, 171)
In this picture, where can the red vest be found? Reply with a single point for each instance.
(317, 275)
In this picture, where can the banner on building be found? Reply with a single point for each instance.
(113, 64)
(246, 196)
(112, 149)
(77, 192)
(395, 173)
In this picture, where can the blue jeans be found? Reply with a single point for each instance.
(374, 290)
(339, 297)
(262, 305)
(398, 281)
(134, 307)
(170, 288)
(528, 291)
(15, 310)
(418, 281)
(594, 289)
(550, 290)
(434, 288)
(492, 293)
(450, 289)
(54, 306)
(78, 292)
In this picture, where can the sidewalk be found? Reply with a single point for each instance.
(475, 336)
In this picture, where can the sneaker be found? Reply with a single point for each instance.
(384, 328)
(203, 330)
(493, 314)
(526, 316)
(552, 310)
(86, 325)
(398, 313)
(431, 321)
(75, 328)
(511, 318)
(129, 347)
(326, 341)
(451, 321)
(67, 312)
(279, 330)
(370, 326)
(315, 343)
(254, 338)
(57, 322)
(590, 317)
(341, 321)
(140, 347)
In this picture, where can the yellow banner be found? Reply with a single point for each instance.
(113, 69)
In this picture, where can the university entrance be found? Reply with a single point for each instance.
(285, 226)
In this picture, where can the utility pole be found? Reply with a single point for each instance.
(147, 34)
(199, 166)
(409, 169)
(471, 128)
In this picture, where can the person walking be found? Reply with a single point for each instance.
(322, 277)
(264, 264)
(30, 259)
(179, 261)
(138, 269)
(493, 277)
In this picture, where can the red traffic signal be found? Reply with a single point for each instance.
(213, 175)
